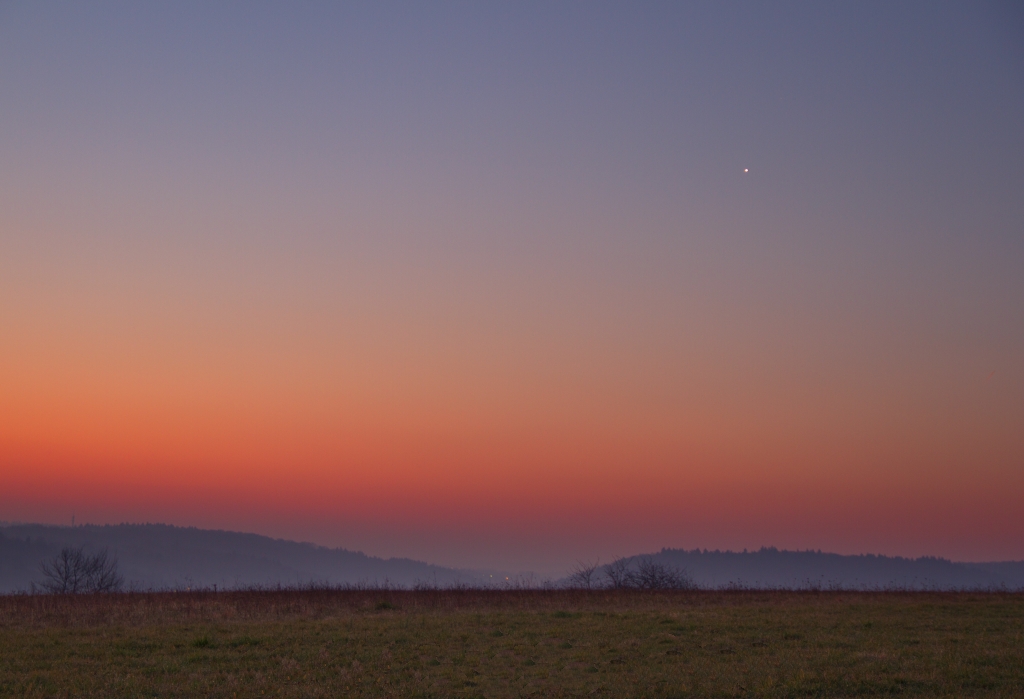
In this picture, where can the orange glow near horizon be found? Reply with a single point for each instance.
(525, 463)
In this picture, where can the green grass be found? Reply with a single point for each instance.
(513, 644)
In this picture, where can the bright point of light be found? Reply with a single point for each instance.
(746, 169)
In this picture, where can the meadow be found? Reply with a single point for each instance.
(512, 643)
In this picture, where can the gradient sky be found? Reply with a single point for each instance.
(491, 284)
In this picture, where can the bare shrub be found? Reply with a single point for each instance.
(73, 571)
(650, 575)
(646, 574)
(584, 575)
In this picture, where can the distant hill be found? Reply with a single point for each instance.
(154, 556)
(772, 568)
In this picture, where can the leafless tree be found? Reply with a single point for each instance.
(73, 571)
(584, 575)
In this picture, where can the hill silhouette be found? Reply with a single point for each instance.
(771, 568)
(158, 556)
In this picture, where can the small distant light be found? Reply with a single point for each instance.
(746, 169)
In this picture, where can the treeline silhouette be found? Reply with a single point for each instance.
(770, 568)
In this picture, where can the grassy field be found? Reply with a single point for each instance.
(513, 644)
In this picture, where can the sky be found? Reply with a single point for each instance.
(514, 285)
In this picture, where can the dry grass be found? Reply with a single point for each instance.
(310, 643)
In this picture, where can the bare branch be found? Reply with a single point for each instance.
(584, 575)
(618, 574)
